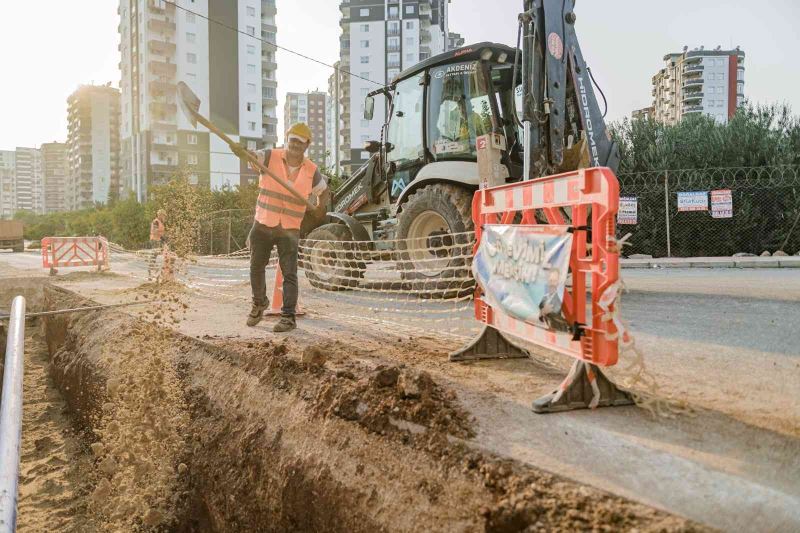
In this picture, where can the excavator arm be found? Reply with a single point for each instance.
(564, 127)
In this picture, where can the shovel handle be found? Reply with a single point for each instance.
(251, 158)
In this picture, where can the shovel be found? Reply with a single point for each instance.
(190, 104)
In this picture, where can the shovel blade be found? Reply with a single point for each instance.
(189, 102)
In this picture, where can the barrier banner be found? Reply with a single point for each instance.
(693, 201)
(522, 270)
(722, 203)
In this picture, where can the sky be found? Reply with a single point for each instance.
(49, 47)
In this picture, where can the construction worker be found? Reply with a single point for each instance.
(157, 239)
(277, 222)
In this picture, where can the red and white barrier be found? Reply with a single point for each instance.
(58, 252)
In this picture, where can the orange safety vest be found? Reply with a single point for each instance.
(276, 206)
(156, 230)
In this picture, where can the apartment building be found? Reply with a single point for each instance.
(29, 191)
(311, 109)
(454, 40)
(232, 73)
(7, 185)
(699, 81)
(645, 113)
(380, 38)
(332, 127)
(93, 146)
(55, 171)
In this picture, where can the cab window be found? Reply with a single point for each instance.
(458, 111)
(405, 126)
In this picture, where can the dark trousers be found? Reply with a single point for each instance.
(262, 239)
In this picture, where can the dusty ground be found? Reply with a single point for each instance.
(732, 465)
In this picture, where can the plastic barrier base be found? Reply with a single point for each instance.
(489, 344)
(584, 388)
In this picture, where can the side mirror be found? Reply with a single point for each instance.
(369, 107)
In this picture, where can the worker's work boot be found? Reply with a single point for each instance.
(286, 323)
(256, 314)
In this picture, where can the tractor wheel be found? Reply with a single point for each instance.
(326, 259)
(435, 241)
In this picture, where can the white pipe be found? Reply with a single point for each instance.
(11, 416)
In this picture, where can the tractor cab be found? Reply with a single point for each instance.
(438, 109)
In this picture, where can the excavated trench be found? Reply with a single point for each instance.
(183, 435)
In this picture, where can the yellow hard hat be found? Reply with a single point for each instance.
(301, 130)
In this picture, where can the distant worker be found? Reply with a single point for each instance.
(157, 240)
(278, 219)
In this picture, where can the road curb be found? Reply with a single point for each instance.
(714, 262)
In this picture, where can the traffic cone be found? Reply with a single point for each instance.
(277, 297)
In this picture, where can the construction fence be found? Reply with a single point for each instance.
(711, 212)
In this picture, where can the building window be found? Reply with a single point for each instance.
(251, 145)
(364, 44)
(251, 30)
(251, 69)
(740, 88)
(191, 159)
(409, 25)
(394, 12)
(364, 59)
(364, 12)
(251, 49)
(189, 17)
(251, 11)
(364, 154)
(191, 75)
(251, 87)
(251, 106)
(410, 10)
(190, 37)
(191, 58)
(191, 138)
(365, 138)
(365, 28)
(410, 57)
(365, 75)
(251, 126)
(410, 41)
(365, 123)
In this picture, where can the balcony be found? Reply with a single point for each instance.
(692, 109)
(392, 47)
(162, 48)
(393, 31)
(693, 67)
(161, 88)
(165, 125)
(164, 27)
(691, 96)
(693, 82)
(162, 68)
(425, 36)
(268, 8)
(159, 6)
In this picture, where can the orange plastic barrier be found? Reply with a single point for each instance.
(592, 198)
(60, 252)
(587, 200)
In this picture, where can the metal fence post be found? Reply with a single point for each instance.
(11, 415)
(666, 210)
(228, 241)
